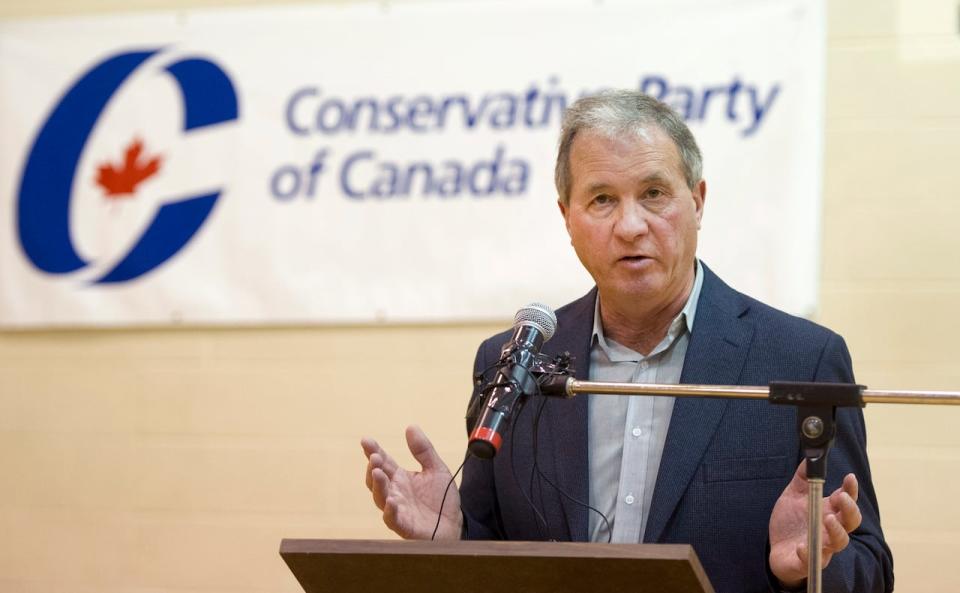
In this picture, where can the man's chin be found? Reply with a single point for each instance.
(646, 289)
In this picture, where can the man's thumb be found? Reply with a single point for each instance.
(422, 449)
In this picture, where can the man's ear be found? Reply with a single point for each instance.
(564, 210)
(699, 197)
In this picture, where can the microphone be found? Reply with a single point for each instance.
(532, 326)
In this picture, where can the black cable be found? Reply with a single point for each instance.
(536, 463)
(444, 499)
(535, 469)
(540, 520)
(516, 480)
(562, 492)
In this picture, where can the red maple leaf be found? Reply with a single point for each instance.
(123, 181)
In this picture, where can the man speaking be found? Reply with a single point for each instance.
(722, 475)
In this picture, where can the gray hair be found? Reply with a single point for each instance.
(618, 113)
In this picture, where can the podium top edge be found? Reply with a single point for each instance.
(488, 548)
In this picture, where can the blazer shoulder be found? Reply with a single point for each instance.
(798, 345)
(773, 319)
(762, 316)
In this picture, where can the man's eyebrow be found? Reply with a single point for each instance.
(597, 187)
(655, 178)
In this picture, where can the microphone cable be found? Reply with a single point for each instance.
(543, 529)
(536, 472)
(538, 514)
(540, 474)
(445, 492)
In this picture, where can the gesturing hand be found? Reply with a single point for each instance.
(410, 501)
(789, 556)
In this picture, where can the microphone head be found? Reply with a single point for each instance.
(539, 316)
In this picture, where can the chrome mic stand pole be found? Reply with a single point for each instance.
(567, 387)
(816, 405)
(814, 546)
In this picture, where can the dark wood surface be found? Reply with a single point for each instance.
(395, 566)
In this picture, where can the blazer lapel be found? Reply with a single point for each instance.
(566, 420)
(715, 355)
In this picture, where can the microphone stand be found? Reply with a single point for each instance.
(816, 405)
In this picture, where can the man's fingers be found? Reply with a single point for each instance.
(384, 462)
(422, 449)
(846, 510)
(369, 446)
(380, 487)
(390, 515)
(851, 486)
(377, 456)
(837, 538)
(381, 462)
(803, 554)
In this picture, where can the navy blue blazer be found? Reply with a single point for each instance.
(724, 464)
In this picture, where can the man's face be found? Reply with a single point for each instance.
(632, 218)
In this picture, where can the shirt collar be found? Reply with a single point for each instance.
(682, 323)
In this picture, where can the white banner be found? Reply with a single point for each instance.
(379, 161)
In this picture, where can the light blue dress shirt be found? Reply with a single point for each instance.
(627, 434)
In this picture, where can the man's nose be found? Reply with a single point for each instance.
(631, 220)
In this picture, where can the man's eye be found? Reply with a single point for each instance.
(602, 200)
(654, 193)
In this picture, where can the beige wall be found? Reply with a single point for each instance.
(175, 460)
(890, 275)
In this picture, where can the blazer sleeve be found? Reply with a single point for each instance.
(866, 565)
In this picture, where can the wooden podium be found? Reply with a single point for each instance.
(394, 566)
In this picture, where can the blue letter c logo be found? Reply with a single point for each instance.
(45, 188)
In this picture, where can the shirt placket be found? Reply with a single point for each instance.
(637, 438)
(633, 463)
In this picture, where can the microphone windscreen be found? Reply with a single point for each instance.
(540, 316)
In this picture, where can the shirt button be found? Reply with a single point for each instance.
(636, 431)
(644, 365)
(629, 499)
